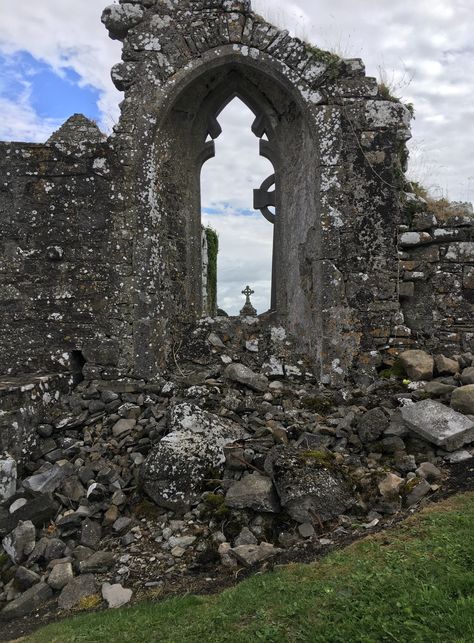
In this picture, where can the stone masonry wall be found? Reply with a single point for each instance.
(437, 276)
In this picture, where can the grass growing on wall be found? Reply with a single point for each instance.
(212, 252)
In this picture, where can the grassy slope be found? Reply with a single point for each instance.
(414, 583)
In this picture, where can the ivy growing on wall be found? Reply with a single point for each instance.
(212, 252)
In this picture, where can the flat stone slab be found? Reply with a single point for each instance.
(439, 424)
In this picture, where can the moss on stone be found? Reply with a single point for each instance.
(212, 252)
(396, 371)
(323, 458)
(319, 404)
(89, 602)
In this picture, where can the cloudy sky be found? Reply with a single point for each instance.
(55, 59)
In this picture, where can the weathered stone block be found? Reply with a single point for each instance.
(439, 424)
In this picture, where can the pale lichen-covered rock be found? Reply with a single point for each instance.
(21, 542)
(309, 484)
(418, 365)
(439, 424)
(175, 470)
(118, 19)
(8, 477)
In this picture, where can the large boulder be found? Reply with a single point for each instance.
(174, 472)
(418, 365)
(253, 492)
(445, 365)
(439, 424)
(309, 484)
(462, 399)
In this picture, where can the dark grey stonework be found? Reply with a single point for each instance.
(101, 239)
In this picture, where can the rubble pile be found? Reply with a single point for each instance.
(237, 455)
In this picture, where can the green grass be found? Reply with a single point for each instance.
(412, 584)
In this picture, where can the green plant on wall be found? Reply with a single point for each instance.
(212, 252)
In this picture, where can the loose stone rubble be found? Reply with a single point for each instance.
(208, 472)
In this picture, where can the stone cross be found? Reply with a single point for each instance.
(248, 310)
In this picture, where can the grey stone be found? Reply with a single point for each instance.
(438, 389)
(246, 537)
(78, 589)
(47, 481)
(244, 375)
(250, 555)
(60, 576)
(8, 477)
(445, 365)
(462, 400)
(91, 534)
(306, 530)
(100, 561)
(122, 524)
(390, 486)
(174, 471)
(417, 364)
(25, 578)
(429, 472)
(467, 376)
(116, 595)
(253, 492)
(122, 427)
(20, 542)
(29, 601)
(417, 493)
(372, 425)
(459, 456)
(307, 486)
(439, 424)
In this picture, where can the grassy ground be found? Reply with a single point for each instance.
(414, 583)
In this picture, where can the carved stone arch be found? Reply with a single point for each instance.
(186, 119)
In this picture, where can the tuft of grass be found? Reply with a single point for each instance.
(89, 603)
(414, 582)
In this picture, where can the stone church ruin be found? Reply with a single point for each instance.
(117, 382)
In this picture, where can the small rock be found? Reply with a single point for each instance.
(445, 365)
(243, 375)
(250, 555)
(78, 589)
(462, 400)
(91, 534)
(116, 595)
(20, 542)
(417, 492)
(60, 576)
(459, 456)
(99, 562)
(25, 578)
(306, 530)
(429, 472)
(418, 365)
(467, 376)
(122, 427)
(253, 492)
(8, 477)
(246, 537)
(390, 485)
(215, 341)
(372, 425)
(121, 525)
(29, 601)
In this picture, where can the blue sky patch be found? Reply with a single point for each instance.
(52, 94)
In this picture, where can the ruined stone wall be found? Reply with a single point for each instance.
(57, 260)
(437, 276)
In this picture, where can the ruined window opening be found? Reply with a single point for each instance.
(77, 361)
(245, 236)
